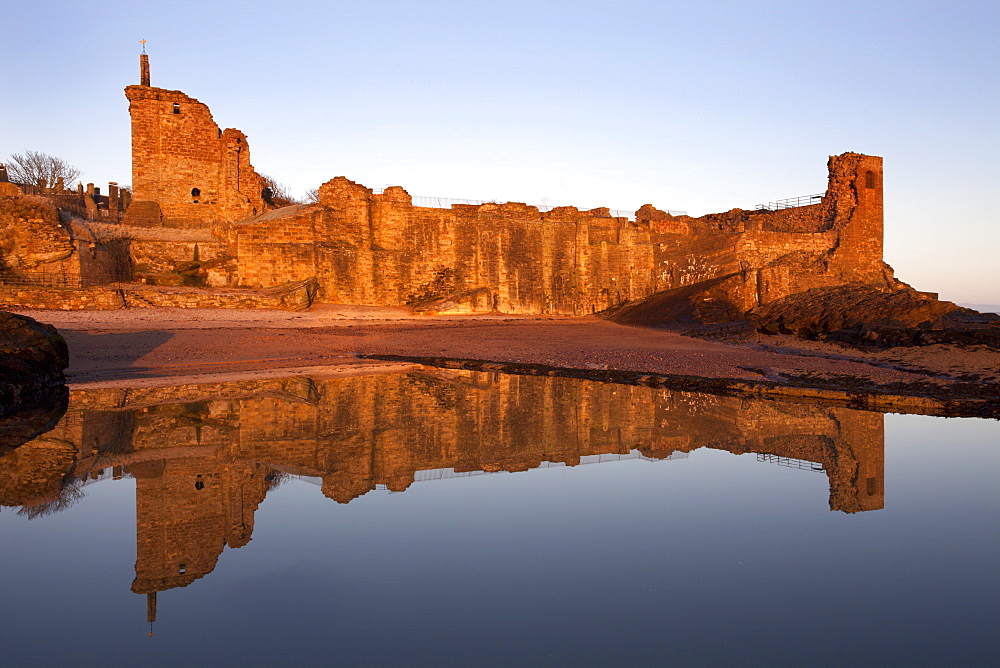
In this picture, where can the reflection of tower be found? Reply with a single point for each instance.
(858, 482)
(202, 467)
(151, 610)
(188, 509)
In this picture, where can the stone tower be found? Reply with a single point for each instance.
(186, 171)
(855, 194)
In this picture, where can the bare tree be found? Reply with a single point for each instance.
(35, 169)
(277, 193)
(70, 492)
(312, 195)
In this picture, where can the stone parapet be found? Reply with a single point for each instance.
(296, 296)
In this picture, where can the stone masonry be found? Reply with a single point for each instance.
(200, 216)
(377, 248)
(186, 171)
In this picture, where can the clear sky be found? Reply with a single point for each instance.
(700, 106)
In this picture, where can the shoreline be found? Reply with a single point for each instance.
(166, 345)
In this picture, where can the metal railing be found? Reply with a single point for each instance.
(801, 464)
(790, 202)
(446, 202)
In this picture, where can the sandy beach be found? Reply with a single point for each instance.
(167, 345)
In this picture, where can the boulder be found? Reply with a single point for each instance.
(33, 356)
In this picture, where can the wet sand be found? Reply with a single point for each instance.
(171, 344)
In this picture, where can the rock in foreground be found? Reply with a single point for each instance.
(33, 356)
(865, 315)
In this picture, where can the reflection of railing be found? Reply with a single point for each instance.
(790, 203)
(800, 464)
(446, 202)
(445, 474)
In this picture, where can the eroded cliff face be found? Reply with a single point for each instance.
(31, 234)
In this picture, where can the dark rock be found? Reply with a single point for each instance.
(704, 303)
(28, 423)
(866, 315)
(33, 356)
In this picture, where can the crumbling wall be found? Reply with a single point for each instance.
(186, 171)
(369, 248)
(379, 249)
(290, 296)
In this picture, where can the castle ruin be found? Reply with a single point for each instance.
(199, 215)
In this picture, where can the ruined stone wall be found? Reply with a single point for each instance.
(368, 248)
(44, 245)
(379, 249)
(292, 296)
(854, 196)
(195, 173)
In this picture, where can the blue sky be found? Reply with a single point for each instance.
(700, 106)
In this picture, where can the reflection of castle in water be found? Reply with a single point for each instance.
(204, 456)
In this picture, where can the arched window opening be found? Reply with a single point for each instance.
(177, 108)
(872, 485)
(199, 485)
(870, 179)
(195, 194)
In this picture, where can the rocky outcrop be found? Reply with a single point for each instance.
(32, 395)
(865, 315)
(704, 303)
(855, 313)
(31, 234)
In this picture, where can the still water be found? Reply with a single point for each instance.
(459, 517)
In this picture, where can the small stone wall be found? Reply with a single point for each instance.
(291, 297)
